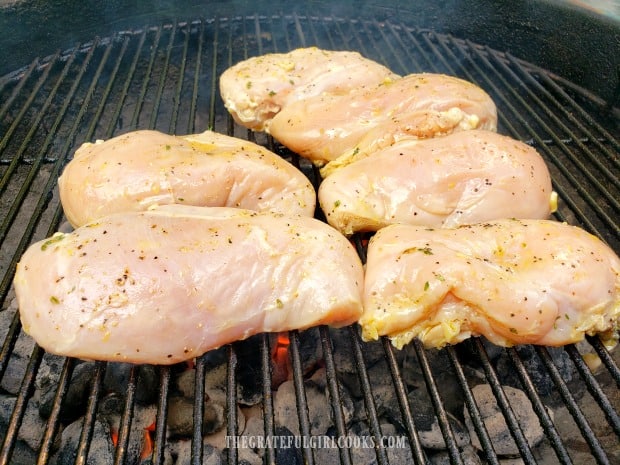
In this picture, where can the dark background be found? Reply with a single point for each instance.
(578, 44)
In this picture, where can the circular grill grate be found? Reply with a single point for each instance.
(166, 78)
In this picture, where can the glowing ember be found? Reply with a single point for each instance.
(147, 443)
(147, 440)
(279, 356)
(114, 436)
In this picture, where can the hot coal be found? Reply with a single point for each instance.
(117, 377)
(179, 452)
(468, 454)
(180, 420)
(101, 450)
(31, 436)
(495, 423)
(426, 421)
(536, 369)
(288, 455)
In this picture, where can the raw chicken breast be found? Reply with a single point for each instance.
(463, 178)
(328, 126)
(512, 281)
(137, 170)
(256, 89)
(171, 283)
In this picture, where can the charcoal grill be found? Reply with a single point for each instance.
(165, 77)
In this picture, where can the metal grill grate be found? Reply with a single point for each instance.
(165, 78)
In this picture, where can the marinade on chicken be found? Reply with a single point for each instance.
(169, 284)
(328, 127)
(513, 281)
(140, 169)
(463, 178)
(256, 89)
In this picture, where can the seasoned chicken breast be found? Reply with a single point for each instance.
(512, 281)
(463, 178)
(169, 284)
(137, 170)
(328, 126)
(256, 89)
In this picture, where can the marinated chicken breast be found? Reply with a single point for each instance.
(256, 89)
(171, 283)
(512, 281)
(137, 170)
(329, 126)
(463, 178)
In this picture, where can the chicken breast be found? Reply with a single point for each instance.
(463, 178)
(512, 281)
(256, 89)
(137, 170)
(326, 127)
(171, 283)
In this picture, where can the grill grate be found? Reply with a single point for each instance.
(165, 78)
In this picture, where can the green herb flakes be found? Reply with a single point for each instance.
(55, 238)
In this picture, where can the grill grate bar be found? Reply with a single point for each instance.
(114, 121)
(517, 116)
(126, 418)
(402, 67)
(533, 84)
(573, 407)
(326, 32)
(369, 402)
(538, 406)
(401, 31)
(21, 402)
(594, 388)
(561, 166)
(300, 31)
(15, 160)
(24, 108)
(300, 394)
(198, 412)
(377, 51)
(176, 101)
(583, 114)
(442, 416)
(88, 424)
(551, 116)
(27, 382)
(159, 437)
(334, 392)
(149, 69)
(315, 37)
(191, 127)
(502, 400)
(472, 407)
(17, 90)
(9, 343)
(258, 35)
(605, 357)
(268, 421)
(231, 402)
(106, 93)
(419, 456)
(54, 418)
(162, 78)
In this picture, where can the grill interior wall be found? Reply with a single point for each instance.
(165, 78)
